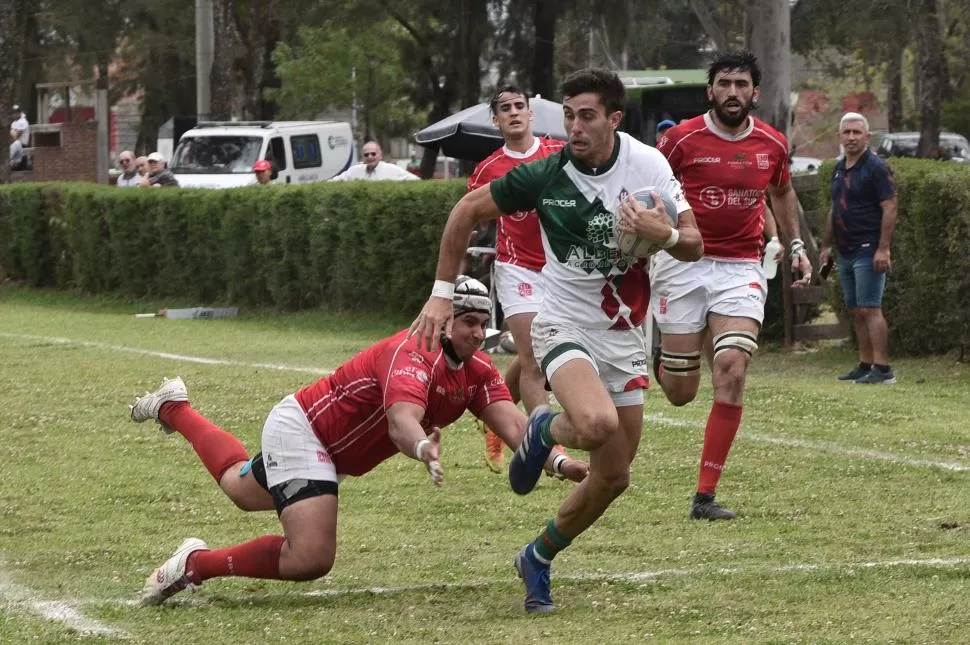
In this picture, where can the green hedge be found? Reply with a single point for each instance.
(927, 299)
(356, 245)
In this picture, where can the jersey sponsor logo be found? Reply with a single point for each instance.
(739, 161)
(323, 457)
(640, 362)
(663, 306)
(713, 197)
(416, 357)
(762, 159)
(562, 203)
(519, 216)
(440, 391)
(525, 290)
(495, 382)
(706, 160)
(743, 197)
(411, 372)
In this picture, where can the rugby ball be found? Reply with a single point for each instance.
(630, 244)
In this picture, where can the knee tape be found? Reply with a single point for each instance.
(680, 364)
(742, 341)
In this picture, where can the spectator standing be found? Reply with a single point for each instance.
(374, 168)
(264, 171)
(16, 154)
(158, 173)
(726, 160)
(19, 127)
(861, 224)
(129, 173)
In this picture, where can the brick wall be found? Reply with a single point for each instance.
(75, 159)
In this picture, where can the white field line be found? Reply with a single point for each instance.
(805, 444)
(54, 340)
(633, 577)
(821, 446)
(21, 599)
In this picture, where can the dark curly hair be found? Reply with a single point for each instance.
(743, 61)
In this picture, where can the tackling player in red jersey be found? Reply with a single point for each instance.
(392, 397)
(725, 160)
(519, 255)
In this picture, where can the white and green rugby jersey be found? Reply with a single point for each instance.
(588, 282)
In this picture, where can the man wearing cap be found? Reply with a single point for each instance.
(129, 172)
(159, 175)
(374, 167)
(264, 171)
(663, 126)
(392, 397)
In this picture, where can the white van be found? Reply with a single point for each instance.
(221, 154)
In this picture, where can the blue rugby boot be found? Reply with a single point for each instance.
(526, 464)
(535, 575)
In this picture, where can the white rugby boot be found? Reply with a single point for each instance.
(147, 406)
(171, 578)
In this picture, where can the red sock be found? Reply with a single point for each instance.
(217, 449)
(722, 425)
(259, 558)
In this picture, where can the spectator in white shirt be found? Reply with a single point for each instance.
(19, 128)
(16, 154)
(374, 168)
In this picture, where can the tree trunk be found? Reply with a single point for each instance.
(895, 78)
(933, 72)
(705, 13)
(769, 38)
(543, 62)
(226, 42)
(13, 35)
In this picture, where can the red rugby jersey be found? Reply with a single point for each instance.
(347, 408)
(518, 240)
(724, 178)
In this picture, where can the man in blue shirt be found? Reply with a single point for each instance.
(861, 222)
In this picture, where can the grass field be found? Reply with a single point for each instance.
(854, 503)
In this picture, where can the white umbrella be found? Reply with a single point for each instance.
(470, 135)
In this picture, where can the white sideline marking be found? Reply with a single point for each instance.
(54, 340)
(822, 446)
(644, 576)
(819, 446)
(637, 576)
(19, 597)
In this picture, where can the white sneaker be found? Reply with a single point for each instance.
(147, 406)
(170, 578)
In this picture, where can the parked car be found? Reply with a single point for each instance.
(807, 165)
(222, 154)
(953, 146)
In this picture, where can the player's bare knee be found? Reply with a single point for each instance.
(593, 428)
(312, 566)
(682, 393)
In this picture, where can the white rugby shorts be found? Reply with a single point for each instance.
(291, 450)
(684, 293)
(618, 356)
(519, 290)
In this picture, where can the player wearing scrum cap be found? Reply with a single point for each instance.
(392, 397)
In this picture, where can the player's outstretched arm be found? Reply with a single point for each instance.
(435, 318)
(404, 429)
(508, 422)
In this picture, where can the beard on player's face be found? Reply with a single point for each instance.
(733, 119)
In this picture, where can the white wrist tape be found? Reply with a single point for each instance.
(557, 463)
(419, 448)
(796, 247)
(442, 289)
(672, 240)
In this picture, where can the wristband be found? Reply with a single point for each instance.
(557, 464)
(443, 289)
(672, 240)
(419, 448)
(796, 247)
